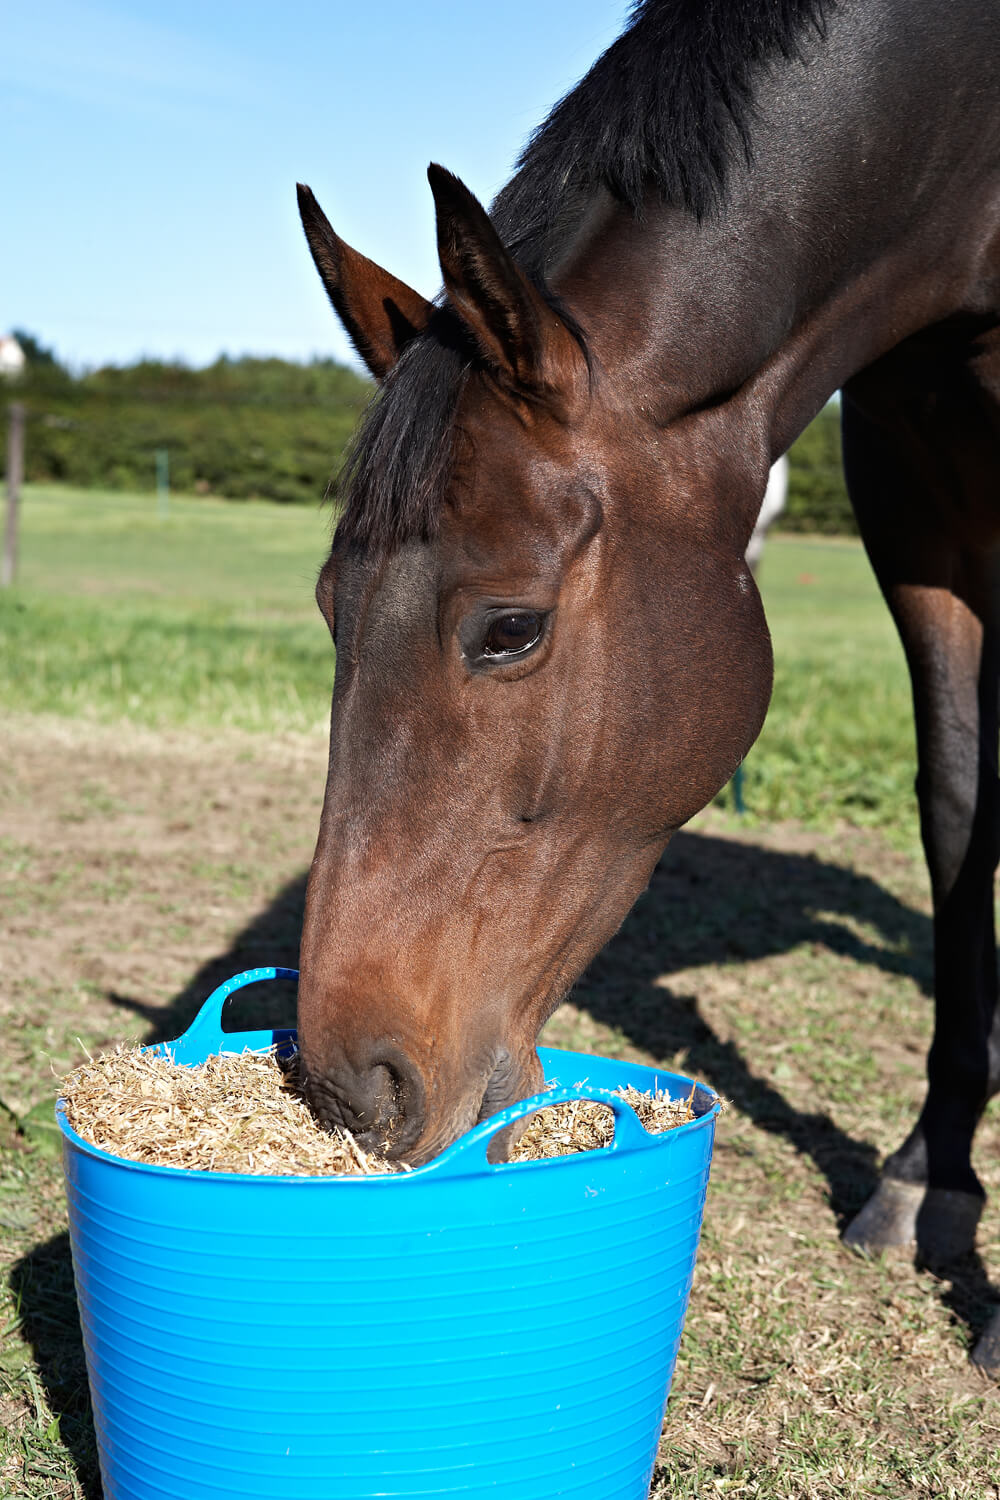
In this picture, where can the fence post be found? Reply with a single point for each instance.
(15, 473)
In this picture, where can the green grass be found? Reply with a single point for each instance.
(838, 741)
(202, 617)
(206, 617)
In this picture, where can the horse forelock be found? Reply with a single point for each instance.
(399, 462)
(401, 459)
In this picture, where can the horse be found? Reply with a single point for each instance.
(550, 650)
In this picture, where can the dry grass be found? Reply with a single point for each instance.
(244, 1113)
(789, 968)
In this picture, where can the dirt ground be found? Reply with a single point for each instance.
(791, 970)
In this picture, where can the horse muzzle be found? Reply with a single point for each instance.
(381, 1102)
(392, 1109)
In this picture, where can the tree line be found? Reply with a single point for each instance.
(270, 429)
(240, 428)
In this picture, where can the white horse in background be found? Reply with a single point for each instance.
(773, 503)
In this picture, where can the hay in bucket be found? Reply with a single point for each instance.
(586, 1125)
(244, 1113)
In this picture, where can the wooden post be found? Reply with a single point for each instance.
(15, 473)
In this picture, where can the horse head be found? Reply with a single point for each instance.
(550, 655)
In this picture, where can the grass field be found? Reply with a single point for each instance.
(163, 690)
(203, 617)
(206, 618)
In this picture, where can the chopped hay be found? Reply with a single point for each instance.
(240, 1113)
(587, 1125)
(244, 1113)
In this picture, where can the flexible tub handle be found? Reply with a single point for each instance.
(205, 1034)
(468, 1153)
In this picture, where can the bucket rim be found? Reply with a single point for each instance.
(460, 1159)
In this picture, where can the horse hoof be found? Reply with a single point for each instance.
(940, 1222)
(986, 1354)
(946, 1225)
(889, 1218)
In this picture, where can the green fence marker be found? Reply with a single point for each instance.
(162, 481)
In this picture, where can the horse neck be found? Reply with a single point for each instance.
(855, 225)
(687, 317)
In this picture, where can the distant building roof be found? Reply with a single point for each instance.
(12, 357)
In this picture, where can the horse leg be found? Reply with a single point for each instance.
(920, 465)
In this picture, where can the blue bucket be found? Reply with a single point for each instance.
(465, 1329)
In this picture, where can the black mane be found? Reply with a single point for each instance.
(666, 109)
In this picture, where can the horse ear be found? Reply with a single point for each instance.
(380, 313)
(518, 334)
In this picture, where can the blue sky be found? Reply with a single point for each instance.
(152, 151)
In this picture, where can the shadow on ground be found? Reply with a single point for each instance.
(42, 1282)
(716, 901)
(711, 901)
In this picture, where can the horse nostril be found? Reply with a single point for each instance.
(399, 1090)
(381, 1104)
(381, 1096)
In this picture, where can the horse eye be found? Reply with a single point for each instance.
(512, 633)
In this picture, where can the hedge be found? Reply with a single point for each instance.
(272, 429)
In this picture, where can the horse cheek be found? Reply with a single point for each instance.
(711, 689)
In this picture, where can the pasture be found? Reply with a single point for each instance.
(164, 686)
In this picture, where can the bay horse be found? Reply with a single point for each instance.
(550, 650)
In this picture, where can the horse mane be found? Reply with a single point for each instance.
(666, 109)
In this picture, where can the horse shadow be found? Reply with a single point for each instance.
(717, 901)
(711, 900)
